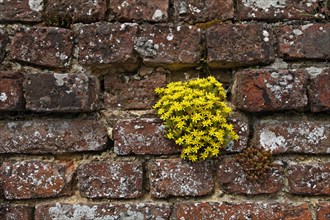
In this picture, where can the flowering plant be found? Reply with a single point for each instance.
(194, 114)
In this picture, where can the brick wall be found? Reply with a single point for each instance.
(78, 137)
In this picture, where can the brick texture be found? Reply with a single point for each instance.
(12, 212)
(319, 91)
(3, 43)
(309, 179)
(175, 177)
(232, 179)
(102, 211)
(293, 135)
(54, 92)
(310, 41)
(323, 211)
(11, 91)
(242, 129)
(270, 90)
(135, 10)
(238, 45)
(51, 136)
(35, 179)
(21, 10)
(110, 180)
(47, 47)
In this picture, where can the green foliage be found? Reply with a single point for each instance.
(194, 114)
(56, 18)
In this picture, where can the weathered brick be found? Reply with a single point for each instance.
(11, 91)
(35, 179)
(253, 211)
(290, 135)
(241, 127)
(135, 10)
(319, 90)
(174, 47)
(193, 11)
(309, 179)
(3, 43)
(279, 10)
(310, 41)
(323, 211)
(48, 47)
(107, 43)
(270, 90)
(175, 177)
(231, 45)
(232, 179)
(57, 92)
(130, 91)
(59, 211)
(111, 180)
(52, 136)
(80, 11)
(142, 136)
(21, 10)
(12, 212)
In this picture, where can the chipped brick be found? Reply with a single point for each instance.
(12, 212)
(21, 10)
(319, 90)
(11, 91)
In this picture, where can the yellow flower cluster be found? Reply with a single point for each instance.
(194, 114)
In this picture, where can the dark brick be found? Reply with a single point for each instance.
(48, 47)
(253, 211)
(323, 211)
(11, 91)
(270, 90)
(107, 43)
(319, 90)
(175, 177)
(54, 92)
(309, 179)
(79, 10)
(173, 47)
(128, 91)
(238, 45)
(311, 41)
(52, 136)
(111, 180)
(241, 127)
(279, 10)
(193, 11)
(3, 42)
(142, 136)
(135, 10)
(232, 179)
(21, 10)
(109, 211)
(35, 179)
(286, 135)
(13, 212)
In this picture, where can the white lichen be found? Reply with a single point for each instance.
(3, 97)
(36, 5)
(269, 140)
(158, 15)
(265, 4)
(60, 78)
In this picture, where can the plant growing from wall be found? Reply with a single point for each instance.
(194, 114)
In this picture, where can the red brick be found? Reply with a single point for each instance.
(111, 180)
(142, 136)
(12, 212)
(253, 211)
(107, 43)
(21, 10)
(127, 211)
(231, 45)
(173, 47)
(310, 41)
(175, 177)
(309, 179)
(55, 136)
(323, 211)
(54, 92)
(193, 11)
(11, 91)
(47, 47)
(279, 10)
(135, 10)
(128, 91)
(319, 90)
(270, 90)
(241, 127)
(232, 179)
(35, 179)
(287, 135)
(80, 11)
(4, 39)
